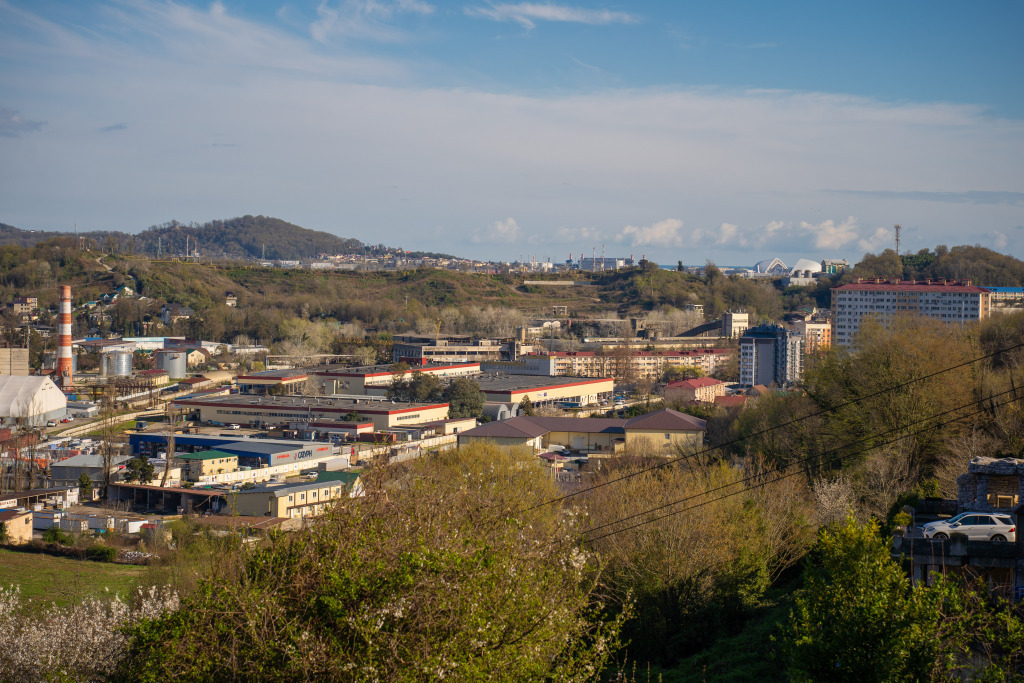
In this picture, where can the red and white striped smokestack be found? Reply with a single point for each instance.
(64, 342)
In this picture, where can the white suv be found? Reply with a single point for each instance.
(978, 526)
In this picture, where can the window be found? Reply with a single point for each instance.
(668, 436)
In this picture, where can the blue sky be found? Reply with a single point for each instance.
(731, 131)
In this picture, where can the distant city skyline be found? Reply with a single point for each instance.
(493, 130)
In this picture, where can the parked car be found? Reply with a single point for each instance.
(51, 423)
(234, 426)
(978, 526)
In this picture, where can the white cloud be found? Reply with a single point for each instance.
(586, 234)
(729, 234)
(828, 235)
(499, 232)
(526, 14)
(336, 139)
(877, 240)
(666, 233)
(363, 19)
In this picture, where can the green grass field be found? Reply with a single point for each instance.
(47, 579)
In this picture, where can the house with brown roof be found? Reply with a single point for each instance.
(704, 389)
(663, 429)
(731, 402)
(18, 525)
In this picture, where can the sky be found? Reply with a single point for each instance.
(681, 131)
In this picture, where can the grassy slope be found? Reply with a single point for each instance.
(45, 578)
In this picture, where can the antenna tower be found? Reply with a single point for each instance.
(897, 229)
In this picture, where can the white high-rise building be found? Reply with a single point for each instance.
(946, 300)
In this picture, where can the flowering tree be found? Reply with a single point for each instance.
(82, 642)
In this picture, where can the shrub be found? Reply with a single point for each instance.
(441, 581)
(56, 535)
(101, 553)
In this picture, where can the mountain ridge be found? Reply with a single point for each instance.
(244, 237)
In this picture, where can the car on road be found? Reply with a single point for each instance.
(977, 526)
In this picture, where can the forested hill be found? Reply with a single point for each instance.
(980, 265)
(23, 238)
(247, 237)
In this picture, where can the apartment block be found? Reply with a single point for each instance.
(770, 354)
(946, 300)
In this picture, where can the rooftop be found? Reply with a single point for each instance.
(532, 426)
(298, 404)
(346, 478)
(281, 490)
(912, 286)
(380, 370)
(695, 383)
(287, 373)
(7, 515)
(492, 383)
(206, 455)
(90, 460)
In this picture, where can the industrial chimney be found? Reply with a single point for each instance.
(64, 339)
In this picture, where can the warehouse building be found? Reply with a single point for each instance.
(546, 390)
(66, 472)
(270, 381)
(420, 349)
(30, 401)
(265, 411)
(251, 452)
(663, 430)
(340, 379)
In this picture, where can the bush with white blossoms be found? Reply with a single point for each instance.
(81, 642)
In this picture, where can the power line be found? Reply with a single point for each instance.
(782, 470)
(703, 451)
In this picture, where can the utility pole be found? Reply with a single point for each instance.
(897, 229)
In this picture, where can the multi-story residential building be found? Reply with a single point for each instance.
(641, 364)
(24, 306)
(1011, 298)
(770, 354)
(946, 300)
(702, 389)
(817, 334)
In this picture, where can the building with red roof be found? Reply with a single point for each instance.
(704, 389)
(945, 300)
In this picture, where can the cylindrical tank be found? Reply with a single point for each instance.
(116, 364)
(173, 361)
